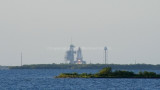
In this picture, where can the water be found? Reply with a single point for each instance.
(43, 79)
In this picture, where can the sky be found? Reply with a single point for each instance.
(42, 30)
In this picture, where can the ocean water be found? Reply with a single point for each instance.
(43, 79)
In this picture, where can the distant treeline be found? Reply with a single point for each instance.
(89, 66)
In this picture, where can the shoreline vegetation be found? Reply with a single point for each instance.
(108, 73)
(89, 66)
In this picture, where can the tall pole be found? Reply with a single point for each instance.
(21, 58)
(105, 52)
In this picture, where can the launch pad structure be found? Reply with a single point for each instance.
(70, 56)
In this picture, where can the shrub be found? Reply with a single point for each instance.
(105, 71)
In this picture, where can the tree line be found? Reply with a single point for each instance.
(89, 66)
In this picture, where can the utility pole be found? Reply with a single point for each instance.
(105, 52)
(21, 58)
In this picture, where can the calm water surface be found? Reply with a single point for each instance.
(43, 79)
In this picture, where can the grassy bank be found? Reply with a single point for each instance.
(108, 73)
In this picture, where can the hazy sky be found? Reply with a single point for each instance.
(42, 30)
